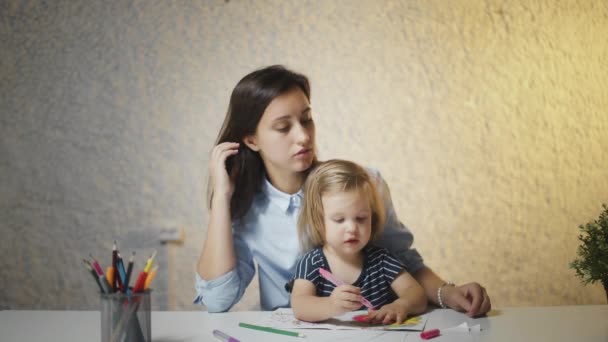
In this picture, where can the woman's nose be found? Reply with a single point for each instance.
(302, 134)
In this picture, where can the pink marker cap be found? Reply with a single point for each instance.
(427, 335)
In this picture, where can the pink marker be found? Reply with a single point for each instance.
(429, 334)
(337, 282)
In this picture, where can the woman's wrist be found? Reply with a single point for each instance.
(441, 294)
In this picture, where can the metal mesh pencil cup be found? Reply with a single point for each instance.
(126, 317)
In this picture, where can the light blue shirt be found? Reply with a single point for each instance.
(268, 235)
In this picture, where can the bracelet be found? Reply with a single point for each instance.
(439, 300)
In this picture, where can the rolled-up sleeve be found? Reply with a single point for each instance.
(223, 292)
(396, 237)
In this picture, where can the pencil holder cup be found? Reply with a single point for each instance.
(126, 317)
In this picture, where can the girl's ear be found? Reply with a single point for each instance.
(251, 142)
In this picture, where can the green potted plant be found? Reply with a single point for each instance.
(591, 265)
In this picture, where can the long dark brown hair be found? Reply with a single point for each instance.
(248, 102)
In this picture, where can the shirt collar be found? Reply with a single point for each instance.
(284, 200)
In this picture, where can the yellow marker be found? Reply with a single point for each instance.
(110, 274)
(150, 277)
(149, 264)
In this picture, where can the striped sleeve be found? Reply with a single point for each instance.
(304, 268)
(308, 267)
(391, 266)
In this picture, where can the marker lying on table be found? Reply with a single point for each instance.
(271, 330)
(332, 279)
(429, 334)
(464, 327)
(224, 337)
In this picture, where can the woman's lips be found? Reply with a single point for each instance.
(303, 153)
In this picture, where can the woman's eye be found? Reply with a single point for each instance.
(362, 218)
(283, 129)
(339, 220)
(307, 121)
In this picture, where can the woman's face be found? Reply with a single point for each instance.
(285, 136)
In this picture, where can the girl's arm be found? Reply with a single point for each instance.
(307, 306)
(411, 300)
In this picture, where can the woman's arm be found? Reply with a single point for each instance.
(225, 266)
(217, 256)
(307, 306)
(471, 297)
(221, 293)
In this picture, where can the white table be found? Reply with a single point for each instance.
(557, 323)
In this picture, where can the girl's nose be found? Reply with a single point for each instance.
(351, 227)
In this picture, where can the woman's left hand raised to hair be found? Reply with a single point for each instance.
(471, 298)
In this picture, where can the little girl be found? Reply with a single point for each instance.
(342, 213)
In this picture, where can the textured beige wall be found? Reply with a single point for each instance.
(487, 119)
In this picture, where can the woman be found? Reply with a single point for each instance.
(263, 154)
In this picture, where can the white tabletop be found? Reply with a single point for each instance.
(556, 323)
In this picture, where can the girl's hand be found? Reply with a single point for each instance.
(220, 180)
(345, 298)
(390, 313)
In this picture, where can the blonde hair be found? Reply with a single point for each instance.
(334, 176)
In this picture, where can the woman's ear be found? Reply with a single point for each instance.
(251, 142)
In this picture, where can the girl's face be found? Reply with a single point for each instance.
(285, 136)
(348, 221)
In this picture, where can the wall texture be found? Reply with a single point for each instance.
(487, 119)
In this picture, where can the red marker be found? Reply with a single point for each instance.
(429, 334)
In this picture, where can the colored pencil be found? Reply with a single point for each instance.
(150, 277)
(271, 330)
(129, 270)
(114, 282)
(88, 266)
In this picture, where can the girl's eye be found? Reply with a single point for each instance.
(339, 220)
(362, 219)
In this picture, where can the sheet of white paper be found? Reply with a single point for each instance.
(464, 327)
(284, 319)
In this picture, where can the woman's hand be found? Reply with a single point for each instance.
(394, 312)
(345, 298)
(221, 182)
(471, 298)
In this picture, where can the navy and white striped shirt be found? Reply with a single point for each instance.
(380, 268)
